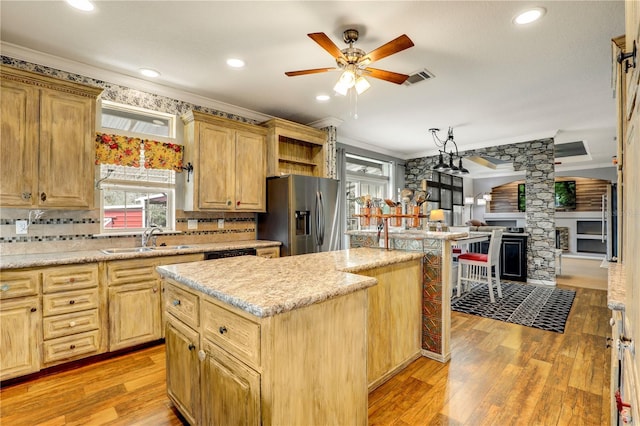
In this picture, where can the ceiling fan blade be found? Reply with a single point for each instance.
(326, 43)
(390, 76)
(394, 46)
(305, 72)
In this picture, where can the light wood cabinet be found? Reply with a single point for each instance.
(19, 336)
(229, 159)
(47, 124)
(230, 389)
(183, 369)
(294, 148)
(135, 299)
(251, 368)
(71, 312)
(268, 252)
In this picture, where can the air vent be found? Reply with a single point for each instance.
(419, 76)
(570, 149)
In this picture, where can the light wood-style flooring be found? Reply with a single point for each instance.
(499, 374)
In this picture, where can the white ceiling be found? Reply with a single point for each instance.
(495, 83)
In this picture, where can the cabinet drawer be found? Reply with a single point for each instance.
(69, 301)
(68, 324)
(70, 278)
(71, 346)
(236, 334)
(268, 252)
(131, 271)
(182, 304)
(19, 283)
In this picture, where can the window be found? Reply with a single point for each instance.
(365, 176)
(133, 198)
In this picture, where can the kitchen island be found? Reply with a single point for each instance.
(293, 340)
(437, 274)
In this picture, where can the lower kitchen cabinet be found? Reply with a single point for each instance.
(183, 369)
(268, 252)
(19, 336)
(230, 389)
(513, 256)
(134, 314)
(270, 370)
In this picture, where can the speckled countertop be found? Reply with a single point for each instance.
(413, 234)
(66, 258)
(265, 287)
(616, 286)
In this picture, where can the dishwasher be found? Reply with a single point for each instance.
(221, 254)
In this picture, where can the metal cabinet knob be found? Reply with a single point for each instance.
(202, 355)
(222, 329)
(72, 347)
(26, 195)
(4, 287)
(72, 302)
(72, 324)
(229, 203)
(43, 196)
(191, 346)
(176, 302)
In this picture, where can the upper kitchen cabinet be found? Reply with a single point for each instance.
(47, 141)
(295, 149)
(229, 160)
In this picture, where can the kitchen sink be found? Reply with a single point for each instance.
(127, 250)
(179, 247)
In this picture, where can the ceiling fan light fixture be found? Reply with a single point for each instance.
(348, 79)
(361, 85)
(340, 88)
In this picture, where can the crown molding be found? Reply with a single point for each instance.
(326, 122)
(48, 60)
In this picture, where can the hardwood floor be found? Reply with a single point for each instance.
(499, 374)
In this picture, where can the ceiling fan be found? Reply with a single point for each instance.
(355, 61)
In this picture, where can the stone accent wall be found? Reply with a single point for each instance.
(330, 151)
(536, 158)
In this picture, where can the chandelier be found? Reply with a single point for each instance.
(449, 167)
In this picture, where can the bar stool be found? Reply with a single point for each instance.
(476, 267)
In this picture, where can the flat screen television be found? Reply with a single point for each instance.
(565, 196)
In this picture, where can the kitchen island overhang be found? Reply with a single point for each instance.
(326, 326)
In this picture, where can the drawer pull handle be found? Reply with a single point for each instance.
(72, 347)
(176, 302)
(72, 324)
(202, 355)
(191, 346)
(5, 287)
(34, 309)
(155, 289)
(222, 329)
(72, 302)
(43, 197)
(72, 280)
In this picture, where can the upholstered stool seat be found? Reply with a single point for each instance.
(477, 267)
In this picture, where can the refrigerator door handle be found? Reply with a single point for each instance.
(604, 217)
(319, 219)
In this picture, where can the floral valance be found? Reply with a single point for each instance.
(125, 151)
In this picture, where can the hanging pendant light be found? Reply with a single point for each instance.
(442, 166)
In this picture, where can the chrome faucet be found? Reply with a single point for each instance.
(148, 235)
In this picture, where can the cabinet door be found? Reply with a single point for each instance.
(513, 259)
(19, 337)
(230, 390)
(134, 314)
(66, 150)
(183, 369)
(18, 145)
(250, 159)
(216, 175)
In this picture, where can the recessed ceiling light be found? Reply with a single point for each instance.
(235, 63)
(323, 98)
(529, 16)
(147, 72)
(84, 5)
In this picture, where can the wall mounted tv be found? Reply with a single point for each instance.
(565, 196)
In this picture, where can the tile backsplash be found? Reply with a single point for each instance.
(58, 230)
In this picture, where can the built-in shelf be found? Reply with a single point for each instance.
(293, 148)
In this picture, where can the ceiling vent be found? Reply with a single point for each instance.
(570, 149)
(417, 77)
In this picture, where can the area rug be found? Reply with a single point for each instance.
(546, 308)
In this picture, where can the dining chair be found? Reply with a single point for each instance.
(477, 267)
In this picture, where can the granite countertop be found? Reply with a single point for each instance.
(412, 234)
(616, 287)
(86, 256)
(266, 287)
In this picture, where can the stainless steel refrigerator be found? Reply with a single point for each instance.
(302, 213)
